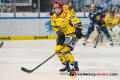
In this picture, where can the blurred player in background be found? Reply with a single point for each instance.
(96, 21)
(113, 23)
(68, 28)
(68, 8)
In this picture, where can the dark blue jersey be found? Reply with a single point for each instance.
(96, 18)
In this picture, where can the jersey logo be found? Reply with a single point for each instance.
(49, 27)
(64, 14)
(63, 21)
(116, 20)
(110, 24)
(108, 20)
(98, 17)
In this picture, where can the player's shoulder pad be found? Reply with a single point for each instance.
(73, 11)
(118, 17)
(107, 15)
(53, 16)
(99, 9)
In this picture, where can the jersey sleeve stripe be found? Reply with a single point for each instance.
(54, 26)
(78, 25)
(57, 32)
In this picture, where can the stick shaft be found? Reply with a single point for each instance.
(101, 38)
(97, 39)
(1, 44)
(51, 56)
(42, 63)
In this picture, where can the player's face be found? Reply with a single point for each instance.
(70, 5)
(112, 13)
(92, 9)
(58, 10)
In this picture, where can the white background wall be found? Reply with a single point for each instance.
(31, 27)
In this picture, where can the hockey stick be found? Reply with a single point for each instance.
(99, 31)
(101, 38)
(97, 40)
(30, 71)
(1, 44)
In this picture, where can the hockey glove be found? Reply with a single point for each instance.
(61, 39)
(78, 33)
(51, 13)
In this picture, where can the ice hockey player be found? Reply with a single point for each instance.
(68, 28)
(113, 23)
(70, 7)
(96, 21)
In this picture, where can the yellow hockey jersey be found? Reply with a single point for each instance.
(72, 11)
(65, 23)
(111, 22)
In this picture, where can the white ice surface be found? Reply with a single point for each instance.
(29, 54)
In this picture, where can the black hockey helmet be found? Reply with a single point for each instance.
(70, 1)
(112, 10)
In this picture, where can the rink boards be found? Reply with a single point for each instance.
(6, 38)
(31, 28)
